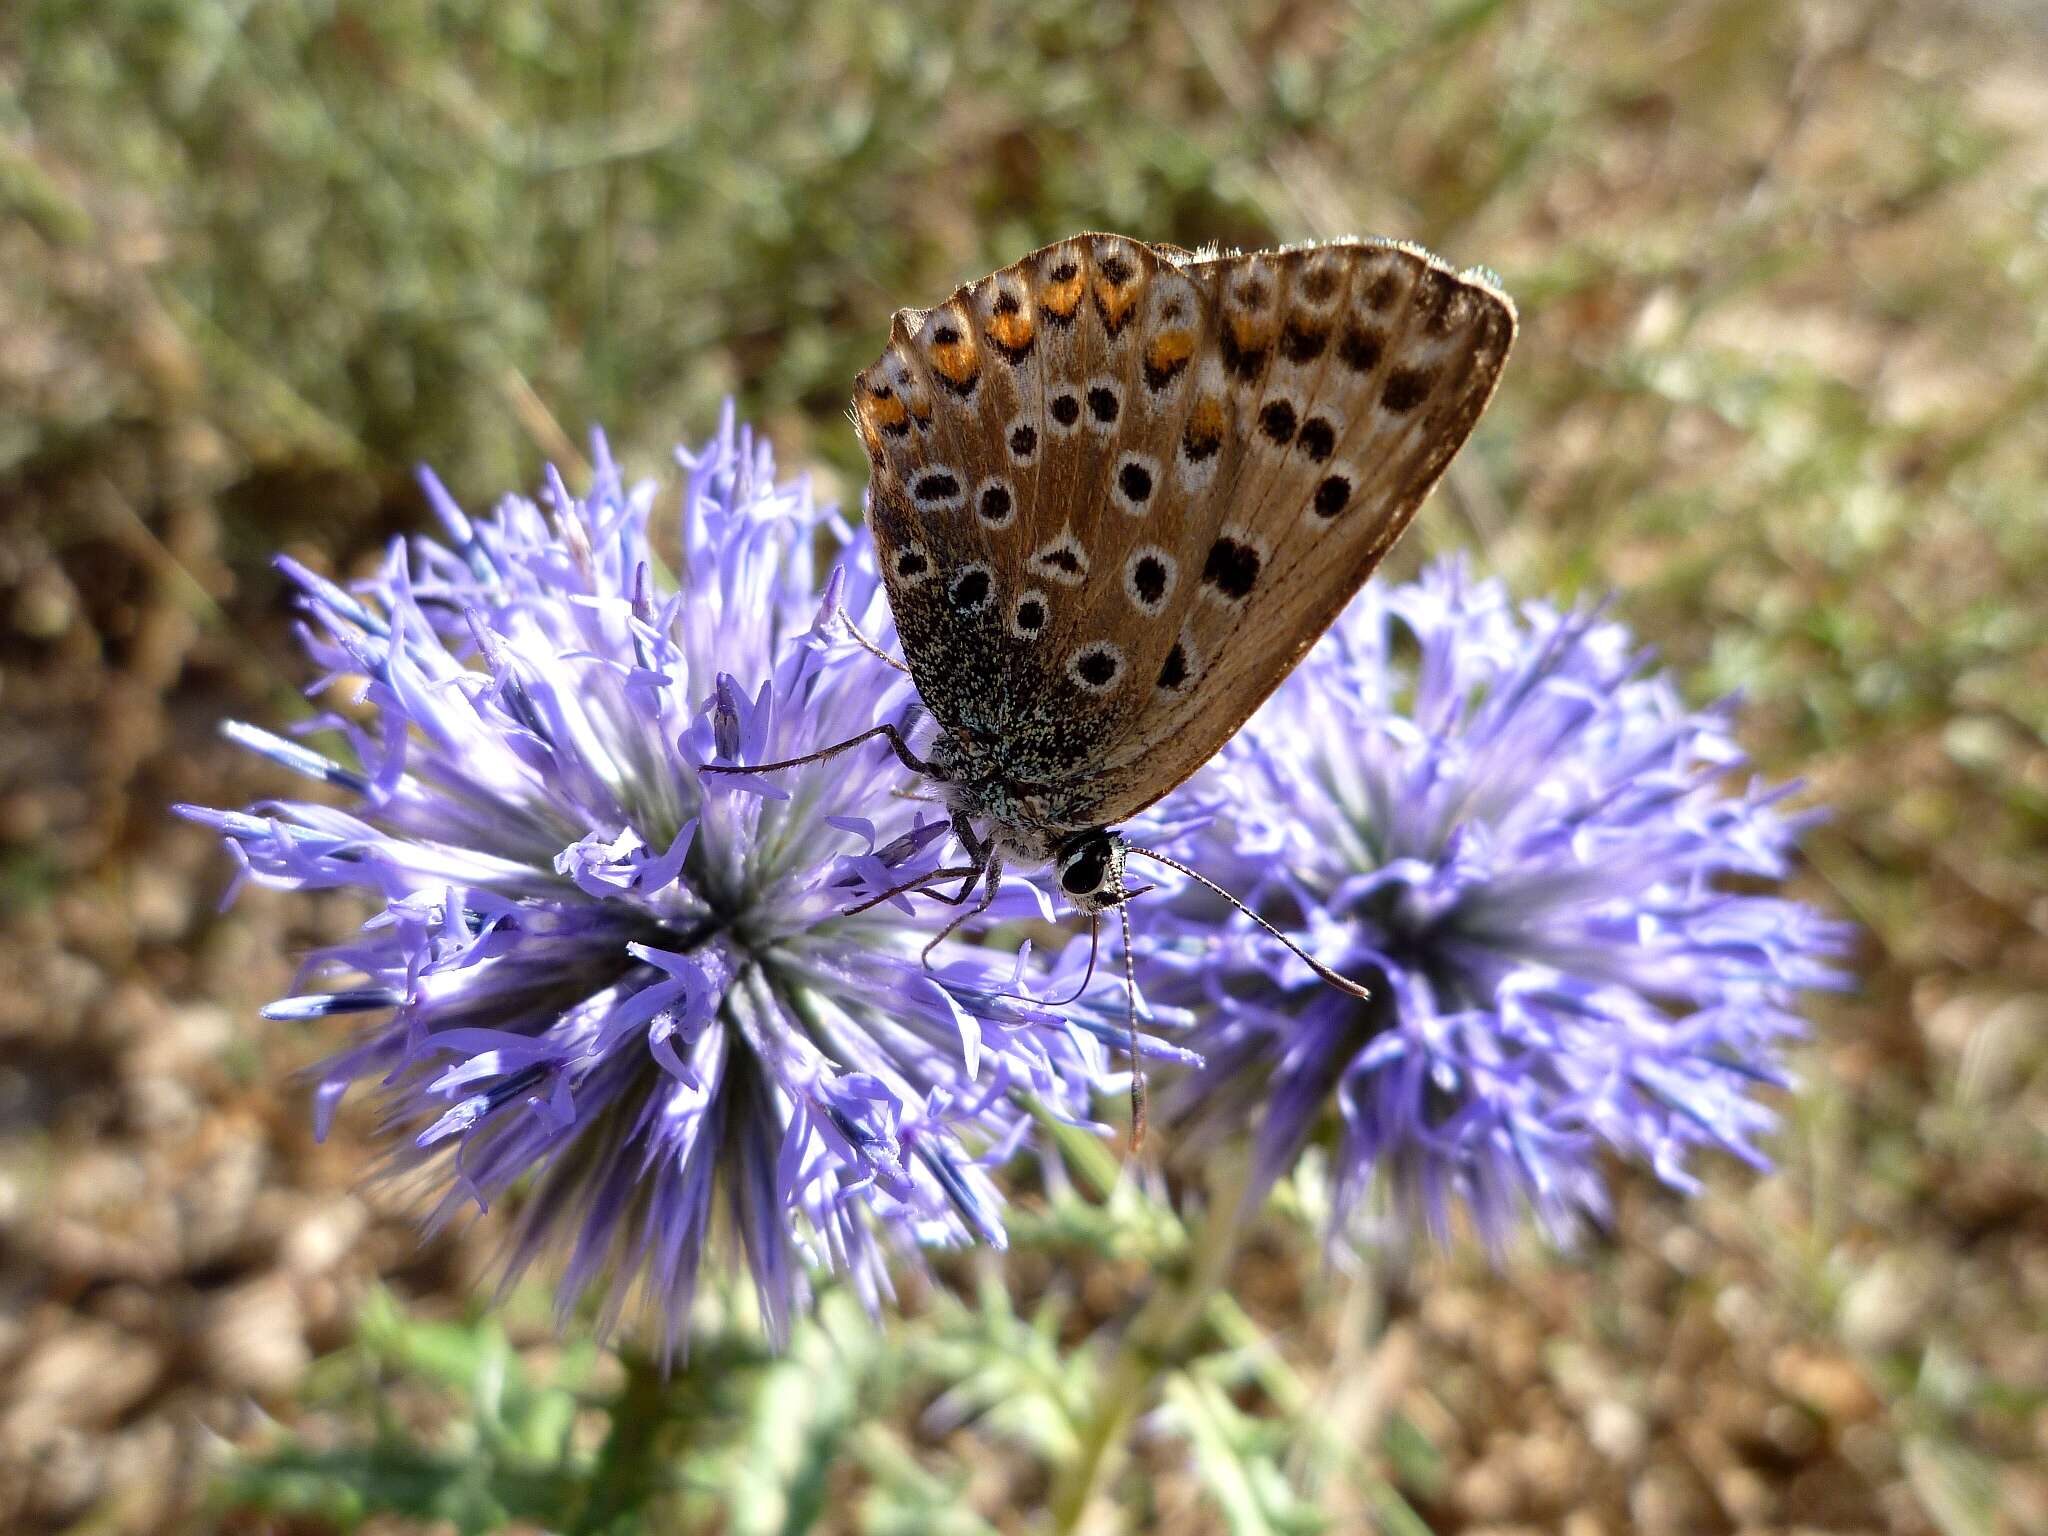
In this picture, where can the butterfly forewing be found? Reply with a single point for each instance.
(1342, 443)
(1198, 461)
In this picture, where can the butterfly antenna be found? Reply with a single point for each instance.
(1341, 983)
(1123, 912)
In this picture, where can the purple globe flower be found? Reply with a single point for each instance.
(1527, 847)
(601, 971)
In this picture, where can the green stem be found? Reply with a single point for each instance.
(1154, 1343)
(628, 1465)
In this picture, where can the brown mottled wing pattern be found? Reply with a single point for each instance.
(991, 423)
(1352, 373)
(1221, 450)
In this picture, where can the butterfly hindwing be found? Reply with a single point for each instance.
(1220, 449)
(942, 504)
(1052, 358)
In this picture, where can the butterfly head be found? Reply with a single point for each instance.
(1091, 869)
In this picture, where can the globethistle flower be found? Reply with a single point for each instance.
(600, 969)
(1524, 844)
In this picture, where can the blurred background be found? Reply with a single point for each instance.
(1782, 386)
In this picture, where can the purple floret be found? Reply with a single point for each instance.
(1538, 858)
(619, 981)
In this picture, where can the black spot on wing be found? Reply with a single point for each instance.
(1318, 439)
(1405, 389)
(1232, 568)
(1361, 348)
(1276, 420)
(1301, 341)
(1332, 496)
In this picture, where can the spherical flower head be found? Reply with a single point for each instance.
(600, 970)
(1537, 859)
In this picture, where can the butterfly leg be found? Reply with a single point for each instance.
(980, 854)
(970, 872)
(1123, 912)
(865, 643)
(991, 881)
(897, 744)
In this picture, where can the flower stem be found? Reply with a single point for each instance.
(1155, 1342)
(629, 1464)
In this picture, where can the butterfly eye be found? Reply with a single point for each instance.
(1085, 865)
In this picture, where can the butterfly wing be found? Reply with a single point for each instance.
(1225, 447)
(1346, 377)
(990, 423)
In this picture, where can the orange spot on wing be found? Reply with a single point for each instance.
(1114, 302)
(1062, 299)
(1169, 349)
(956, 360)
(1204, 433)
(1011, 332)
(885, 413)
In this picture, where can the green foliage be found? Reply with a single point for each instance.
(447, 1422)
(1238, 1456)
(492, 1443)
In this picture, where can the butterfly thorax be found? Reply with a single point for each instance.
(1028, 819)
(1032, 823)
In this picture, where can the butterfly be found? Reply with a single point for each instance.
(1118, 489)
